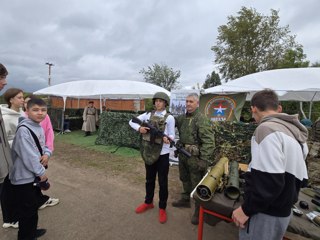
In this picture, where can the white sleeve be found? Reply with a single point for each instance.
(170, 127)
(143, 117)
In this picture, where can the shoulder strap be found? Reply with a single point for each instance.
(36, 140)
(167, 115)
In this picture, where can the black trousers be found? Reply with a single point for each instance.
(27, 210)
(160, 167)
(1, 184)
(41, 198)
(8, 202)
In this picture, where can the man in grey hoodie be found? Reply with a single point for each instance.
(5, 157)
(28, 151)
(276, 172)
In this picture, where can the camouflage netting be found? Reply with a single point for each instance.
(114, 129)
(313, 159)
(233, 140)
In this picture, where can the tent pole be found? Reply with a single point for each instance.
(100, 104)
(301, 110)
(62, 117)
(311, 103)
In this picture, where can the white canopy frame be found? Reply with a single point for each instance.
(102, 90)
(291, 84)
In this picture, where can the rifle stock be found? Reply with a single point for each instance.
(159, 133)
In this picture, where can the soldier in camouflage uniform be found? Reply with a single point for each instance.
(155, 152)
(197, 137)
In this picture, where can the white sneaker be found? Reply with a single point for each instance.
(51, 202)
(12, 224)
(67, 131)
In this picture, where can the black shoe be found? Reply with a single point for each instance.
(40, 232)
(182, 203)
(195, 219)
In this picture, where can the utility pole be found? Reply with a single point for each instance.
(49, 76)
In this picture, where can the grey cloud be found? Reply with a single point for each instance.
(104, 39)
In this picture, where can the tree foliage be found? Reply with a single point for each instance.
(293, 58)
(162, 76)
(212, 80)
(316, 64)
(251, 42)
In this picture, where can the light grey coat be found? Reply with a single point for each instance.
(90, 118)
(5, 156)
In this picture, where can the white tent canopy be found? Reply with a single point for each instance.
(102, 89)
(292, 84)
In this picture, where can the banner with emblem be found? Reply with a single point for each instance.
(222, 107)
(178, 100)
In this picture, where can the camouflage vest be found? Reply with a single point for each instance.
(150, 151)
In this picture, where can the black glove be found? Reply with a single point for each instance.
(176, 153)
(44, 185)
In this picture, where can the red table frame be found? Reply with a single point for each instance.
(201, 213)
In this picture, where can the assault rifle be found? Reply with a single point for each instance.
(154, 132)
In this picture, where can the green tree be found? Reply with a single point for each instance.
(251, 42)
(212, 80)
(162, 76)
(316, 64)
(293, 58)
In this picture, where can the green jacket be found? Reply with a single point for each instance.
(196, 129)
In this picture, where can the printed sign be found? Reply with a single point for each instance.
(222, 107)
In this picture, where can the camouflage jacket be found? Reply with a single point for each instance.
(196, 129)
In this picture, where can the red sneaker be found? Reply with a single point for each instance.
(144, 207)
(162, 216)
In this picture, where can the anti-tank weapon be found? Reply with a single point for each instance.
(232, 189)
(211, 181)
(218, 178)
(154, 132)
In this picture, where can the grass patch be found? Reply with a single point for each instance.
(126, 163)
(77, 138)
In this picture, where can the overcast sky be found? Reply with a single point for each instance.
(104, 39)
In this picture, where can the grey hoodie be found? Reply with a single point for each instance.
(11, 120)
(25, 154)
(292, 123)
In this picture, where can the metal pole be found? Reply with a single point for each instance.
(49, 76)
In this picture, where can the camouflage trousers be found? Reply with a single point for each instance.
(190, 174)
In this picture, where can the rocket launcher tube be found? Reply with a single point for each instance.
(210, 182)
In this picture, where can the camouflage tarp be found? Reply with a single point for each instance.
(114, 129)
